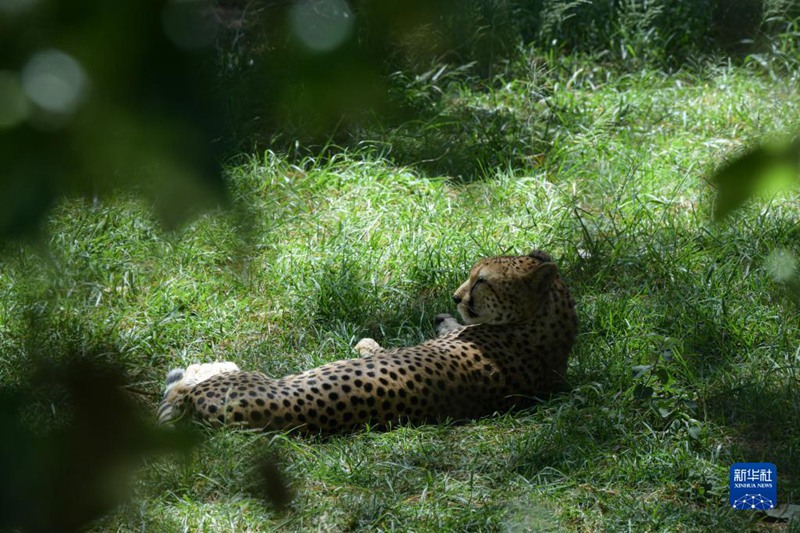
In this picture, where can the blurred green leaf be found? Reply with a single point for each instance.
(270, 482)
(694, 430)
(101, 96)
(641, 370)
(642, 392)
(70, 443)
(764, 169)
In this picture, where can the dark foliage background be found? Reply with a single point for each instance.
(386, 81)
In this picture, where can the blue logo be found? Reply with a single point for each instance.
(754, 486)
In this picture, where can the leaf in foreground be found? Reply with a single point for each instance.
(763, 169)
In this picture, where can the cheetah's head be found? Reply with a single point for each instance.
(506, 289)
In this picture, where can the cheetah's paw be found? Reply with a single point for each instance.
(445, 323)
(367, 346)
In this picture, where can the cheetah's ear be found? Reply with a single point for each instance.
(543, 275)
(544, 257)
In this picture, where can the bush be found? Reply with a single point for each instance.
(398, 74)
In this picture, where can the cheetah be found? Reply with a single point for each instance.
(519, 326)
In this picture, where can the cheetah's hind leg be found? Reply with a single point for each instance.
(179, 381)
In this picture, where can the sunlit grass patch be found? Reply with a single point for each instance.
(686, 360)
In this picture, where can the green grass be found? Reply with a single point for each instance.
(687, 358)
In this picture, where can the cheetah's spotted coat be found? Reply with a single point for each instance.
(521, 324)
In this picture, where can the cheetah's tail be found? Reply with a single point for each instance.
(180, 380)
(166, 408)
